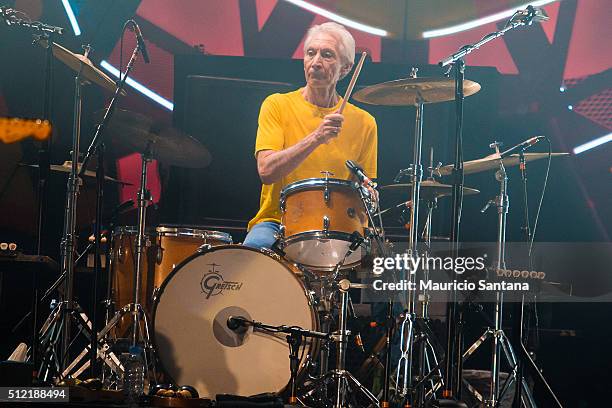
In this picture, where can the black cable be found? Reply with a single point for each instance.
(535, 225)
(121, 47)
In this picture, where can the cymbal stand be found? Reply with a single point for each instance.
(500, 341)
(426, 340)
(67, 310)
(404, 368)
(135, 309)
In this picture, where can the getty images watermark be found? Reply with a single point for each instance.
(550, 272)
(458, 265)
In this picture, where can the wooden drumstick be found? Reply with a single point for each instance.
(349, 90)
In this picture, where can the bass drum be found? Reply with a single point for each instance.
(191, 335)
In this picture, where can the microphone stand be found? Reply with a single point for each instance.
(519, 310)
(294, 340)
(454, 322)
(97, 147)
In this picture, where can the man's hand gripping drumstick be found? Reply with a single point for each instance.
(347, 95)
(332, 123)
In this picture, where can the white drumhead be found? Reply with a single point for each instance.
(191, 335)
(321, 253)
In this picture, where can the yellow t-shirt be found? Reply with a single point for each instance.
(285, 119)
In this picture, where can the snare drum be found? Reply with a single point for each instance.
(318, 219)
(190, 321)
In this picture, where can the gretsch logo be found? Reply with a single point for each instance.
(213, 284)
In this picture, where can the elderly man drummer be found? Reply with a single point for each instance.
(301, 133)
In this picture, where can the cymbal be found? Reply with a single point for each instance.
(405, 92)
(78, 62)
(492, 162)
(429, 189)
(67, 166)
(165, 143)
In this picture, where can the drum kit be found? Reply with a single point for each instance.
(227, 319)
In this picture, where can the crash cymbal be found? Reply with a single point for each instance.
(429, 189)
(67, 166)
(166, 144)
(78, 62)
(405, 92)
(491, 162)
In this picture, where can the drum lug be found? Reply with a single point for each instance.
(282, 204)
(160, 254)
(326, 189)
(325, 223)
(120, 254)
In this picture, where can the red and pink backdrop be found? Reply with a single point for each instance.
(569, 52)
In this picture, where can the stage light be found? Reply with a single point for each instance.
(561, 89)
(339, 19)
(481, 21)
(593, 144)
(72, 18)
(570, 107)
(139, 87)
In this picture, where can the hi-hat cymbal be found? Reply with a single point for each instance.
(491, 162)
(164, 143)
(429, 189)
(78, 62)
(67, 166)
(408, 91)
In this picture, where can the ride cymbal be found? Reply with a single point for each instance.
(409, 91)
(491, 162)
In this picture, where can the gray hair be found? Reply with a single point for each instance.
(345, 39)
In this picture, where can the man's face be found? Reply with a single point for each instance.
(322, 62)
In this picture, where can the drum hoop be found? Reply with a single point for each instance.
(166, 231)
(314, 347)
(129, 230)
(314, 184)
(315, 235)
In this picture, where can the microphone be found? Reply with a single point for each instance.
(531, 14)
(358, 172)
(235, 323)
(524, 145)
(141, 43)
(356, 241)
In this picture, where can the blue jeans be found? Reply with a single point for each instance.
(262, 235)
